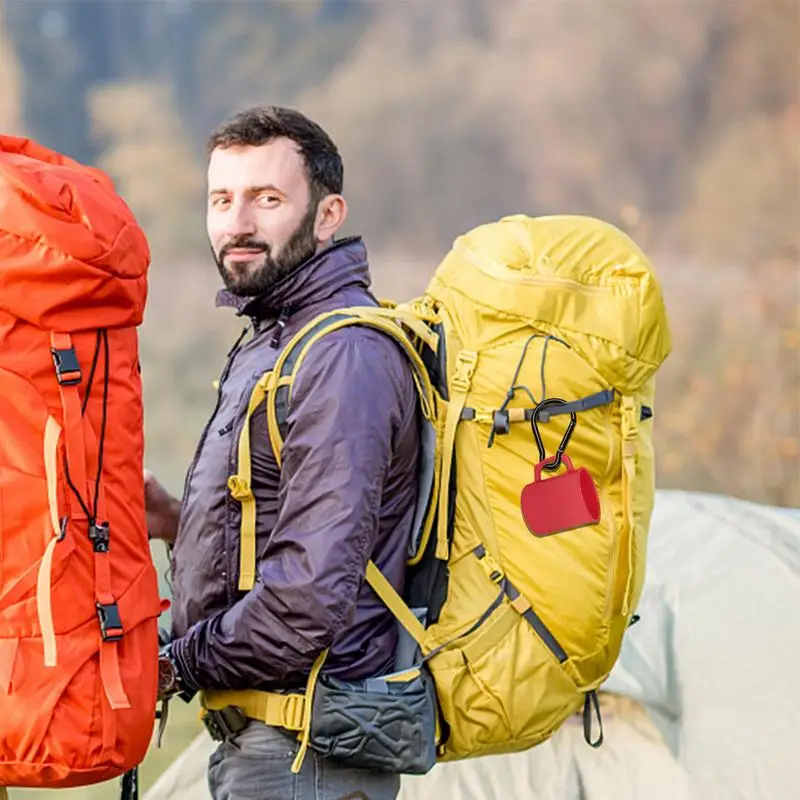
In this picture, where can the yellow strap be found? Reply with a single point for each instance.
(459, 390)
(289, 711)
(273, 430)
(409, 318)
(361, 316)
(516, 415)
(349, 316)
(395, 603)
(278, 710)
(629, 431)
(52, 433)
(44, 604)
(241, 490)
(308, 707)
(401, 677)
(371, 317)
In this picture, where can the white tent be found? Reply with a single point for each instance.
(702, 703)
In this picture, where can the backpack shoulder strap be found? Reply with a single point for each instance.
(275, 387)
(378, 318)
(397, 321)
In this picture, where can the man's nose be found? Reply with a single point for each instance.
(239, 221)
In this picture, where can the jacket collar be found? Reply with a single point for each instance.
(342, 264)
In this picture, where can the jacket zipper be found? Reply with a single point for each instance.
(286, 312)
(231, 356)
(241, 409)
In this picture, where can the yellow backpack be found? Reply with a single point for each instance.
(518, 630)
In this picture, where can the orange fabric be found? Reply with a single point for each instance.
(73, 263)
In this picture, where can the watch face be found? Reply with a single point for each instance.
(166, 675)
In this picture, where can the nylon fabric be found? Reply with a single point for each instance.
(73, 288)
(522, 311)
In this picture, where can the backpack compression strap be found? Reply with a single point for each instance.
(83, 507)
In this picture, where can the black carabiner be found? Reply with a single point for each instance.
(555, 461)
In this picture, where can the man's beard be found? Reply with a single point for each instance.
(256, 279)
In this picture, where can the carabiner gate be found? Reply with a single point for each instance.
(554, 461)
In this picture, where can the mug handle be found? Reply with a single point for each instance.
(537, 470)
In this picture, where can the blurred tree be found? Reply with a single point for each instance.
(10, 80)
(422, 127)
(145, 149)
(678, 121)
(55, 74)
(250, 53)
(743, 198)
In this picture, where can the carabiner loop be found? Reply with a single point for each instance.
(555, 461)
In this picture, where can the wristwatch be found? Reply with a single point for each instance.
(167, 675)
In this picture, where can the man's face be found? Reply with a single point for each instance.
(259, 222)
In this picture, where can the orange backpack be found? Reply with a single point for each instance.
(79, 600)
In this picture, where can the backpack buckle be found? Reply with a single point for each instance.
(465, 369)
(225, 723)
(110, 621)
(240, 488)
(493, 570)
(99, 535)
(68, 369)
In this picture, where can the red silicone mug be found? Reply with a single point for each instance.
(561, 503)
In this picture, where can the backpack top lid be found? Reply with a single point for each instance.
(72, 255)
(563, 273)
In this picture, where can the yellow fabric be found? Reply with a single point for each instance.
(289, 711)
(44, 605)
(307, 706)
(629, 426)
(500, 687)
(240, 489)
(280, 710)
(394, 602)
(566, 307)
(459, 389)
(410, 319)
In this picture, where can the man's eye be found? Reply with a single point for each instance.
(268, 199)
(220, 202)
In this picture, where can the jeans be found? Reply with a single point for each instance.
(256, 765)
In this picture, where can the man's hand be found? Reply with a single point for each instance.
(161, 509)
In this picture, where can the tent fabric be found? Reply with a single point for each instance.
(701, 703)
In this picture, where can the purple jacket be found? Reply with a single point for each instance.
(346, 493)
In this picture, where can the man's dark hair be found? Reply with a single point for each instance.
(261, 124)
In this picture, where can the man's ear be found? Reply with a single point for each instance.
(331, 214)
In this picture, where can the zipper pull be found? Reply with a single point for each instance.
(281, 324)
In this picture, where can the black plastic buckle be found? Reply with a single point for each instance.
(501, 422)
(110, 622)
(225, 723)
(68, 370)
(99, 534)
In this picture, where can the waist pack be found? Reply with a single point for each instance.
(78, 590)
(534, 350)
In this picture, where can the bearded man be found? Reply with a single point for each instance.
(345, 489)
